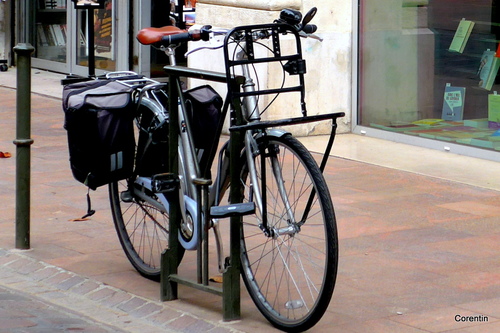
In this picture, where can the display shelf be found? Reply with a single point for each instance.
(51, 31)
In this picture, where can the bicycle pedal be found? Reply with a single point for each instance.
(164, 183)
(238, 209)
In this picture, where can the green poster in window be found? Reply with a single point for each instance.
(494, 110)
(461, 36)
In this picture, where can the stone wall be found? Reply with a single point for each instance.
(328, 79)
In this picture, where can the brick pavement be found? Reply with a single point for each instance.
(21, 313)
(39, 297)
(417, 253)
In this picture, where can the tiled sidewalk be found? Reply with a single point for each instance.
(418, 254)
(20, 311)
(57, 289)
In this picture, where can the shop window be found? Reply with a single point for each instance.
(104, 49)
(416, 79)
(51, 30)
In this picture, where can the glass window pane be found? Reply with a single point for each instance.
(51, 30)
(103, 29)
(418, 77)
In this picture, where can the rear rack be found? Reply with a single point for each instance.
(128, 78)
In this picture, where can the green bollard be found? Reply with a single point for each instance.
(23, 142)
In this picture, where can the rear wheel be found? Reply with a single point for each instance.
(141, 221)
(142, 227)
(289, 266)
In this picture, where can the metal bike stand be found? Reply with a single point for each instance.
(170, 277)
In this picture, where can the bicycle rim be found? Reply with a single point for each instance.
(142, 230)
(290, 275)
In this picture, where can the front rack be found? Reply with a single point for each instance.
(294, 64)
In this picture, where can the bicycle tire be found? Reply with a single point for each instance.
(142, 230)
(290, 277)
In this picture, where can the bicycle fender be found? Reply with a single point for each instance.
(276, 132)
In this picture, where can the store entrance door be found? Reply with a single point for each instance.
(104, 32)
(104, 39)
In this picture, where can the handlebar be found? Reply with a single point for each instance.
(178, 38)
(294, 18)
(172, 35)
(194, 35)
(310, 28)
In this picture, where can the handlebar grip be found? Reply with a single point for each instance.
(310, 28)
(177, 38)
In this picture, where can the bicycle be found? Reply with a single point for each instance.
(283, 225)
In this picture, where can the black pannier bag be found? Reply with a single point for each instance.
(204, 107)
(152, 142)
(99, 119)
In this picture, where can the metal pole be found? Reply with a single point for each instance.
(170, 257)
(91, 42)
(231, 298)
(25, 21)
(23, 142)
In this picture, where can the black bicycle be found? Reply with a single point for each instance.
(288, 234)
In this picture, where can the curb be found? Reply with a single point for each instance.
(93, 299)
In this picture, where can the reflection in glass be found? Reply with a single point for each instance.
(414, 80)
(103, 37)
(51, 31)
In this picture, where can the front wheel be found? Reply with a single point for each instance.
(289, 266)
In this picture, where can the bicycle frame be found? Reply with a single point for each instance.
(188, 168)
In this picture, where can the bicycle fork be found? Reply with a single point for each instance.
(252, 113)
(270, 153)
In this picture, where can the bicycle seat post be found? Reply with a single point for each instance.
(170, 52)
